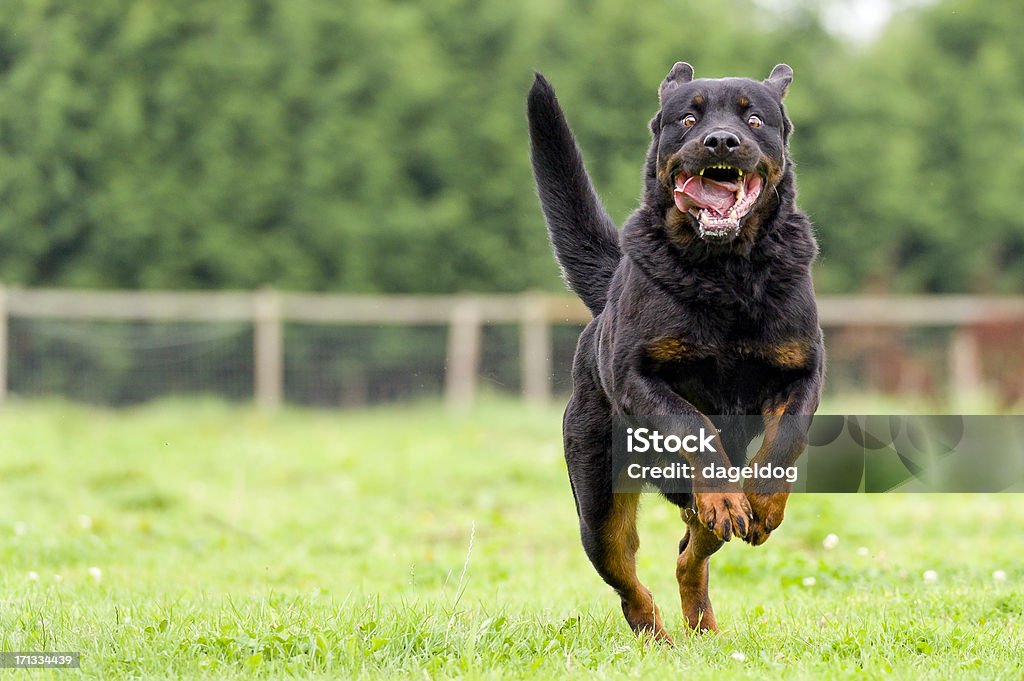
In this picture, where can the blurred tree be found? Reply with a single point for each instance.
(915, 151)
(326, 145)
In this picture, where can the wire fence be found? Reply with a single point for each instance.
(126, 347)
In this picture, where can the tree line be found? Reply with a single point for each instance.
(344, 146)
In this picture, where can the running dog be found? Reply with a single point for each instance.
(703, 306)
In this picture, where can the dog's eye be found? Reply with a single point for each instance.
(755, 122)
(688, 121)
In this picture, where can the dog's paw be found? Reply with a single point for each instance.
(724, 513)
(768, 511)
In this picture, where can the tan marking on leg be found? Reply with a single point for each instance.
(692, 570)
(621, 542)
(777, 411)
(767, 505)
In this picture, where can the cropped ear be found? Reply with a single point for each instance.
(681, 73)
(779, 80)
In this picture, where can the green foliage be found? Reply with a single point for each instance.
(911, 165)
(325, 145)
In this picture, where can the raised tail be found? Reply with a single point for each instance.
(584, 237)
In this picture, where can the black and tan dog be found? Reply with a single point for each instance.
(702, 306)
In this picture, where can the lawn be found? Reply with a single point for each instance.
(198, 539)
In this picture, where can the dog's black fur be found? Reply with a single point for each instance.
(691, 318)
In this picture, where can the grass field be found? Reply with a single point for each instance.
(188, 540)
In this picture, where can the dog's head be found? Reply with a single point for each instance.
(719, 151)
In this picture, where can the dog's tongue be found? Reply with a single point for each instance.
(700, 192)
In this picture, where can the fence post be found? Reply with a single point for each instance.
(3, 343)
(965, 379)
(463, 354)
(268, 349)
(535, 349)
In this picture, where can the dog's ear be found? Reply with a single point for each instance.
(779, 80)
(681, 73)
(656, 124)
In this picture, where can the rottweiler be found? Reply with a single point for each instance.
(703, 305)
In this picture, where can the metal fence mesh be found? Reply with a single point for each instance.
(350, 359)
(121, 363)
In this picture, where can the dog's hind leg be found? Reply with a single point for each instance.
(612, 547)
(608, 531)
(607, 520)
(699, 543)
(692, 568)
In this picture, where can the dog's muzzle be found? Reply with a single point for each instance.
(719, 196)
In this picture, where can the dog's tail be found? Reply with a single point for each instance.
(584, 237)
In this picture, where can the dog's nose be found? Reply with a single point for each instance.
(721, 142)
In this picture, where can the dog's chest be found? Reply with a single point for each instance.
(729, 376)
(678, 350)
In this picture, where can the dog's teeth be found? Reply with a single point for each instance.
(740, 172)
(702, 170)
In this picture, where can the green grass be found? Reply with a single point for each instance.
(406, 542)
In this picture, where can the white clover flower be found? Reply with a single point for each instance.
(33, 576)
(831, 541)
(999, 575)
(58, 578)
(930, 576)
(809, 581)
(85, 522)
(863, 551)
(738, 656)
(96, 573)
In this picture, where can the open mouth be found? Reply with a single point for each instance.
(719, 196)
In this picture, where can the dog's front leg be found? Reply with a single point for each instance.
(722, 506)
(786, 422)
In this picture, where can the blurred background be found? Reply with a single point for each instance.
(266, 151)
